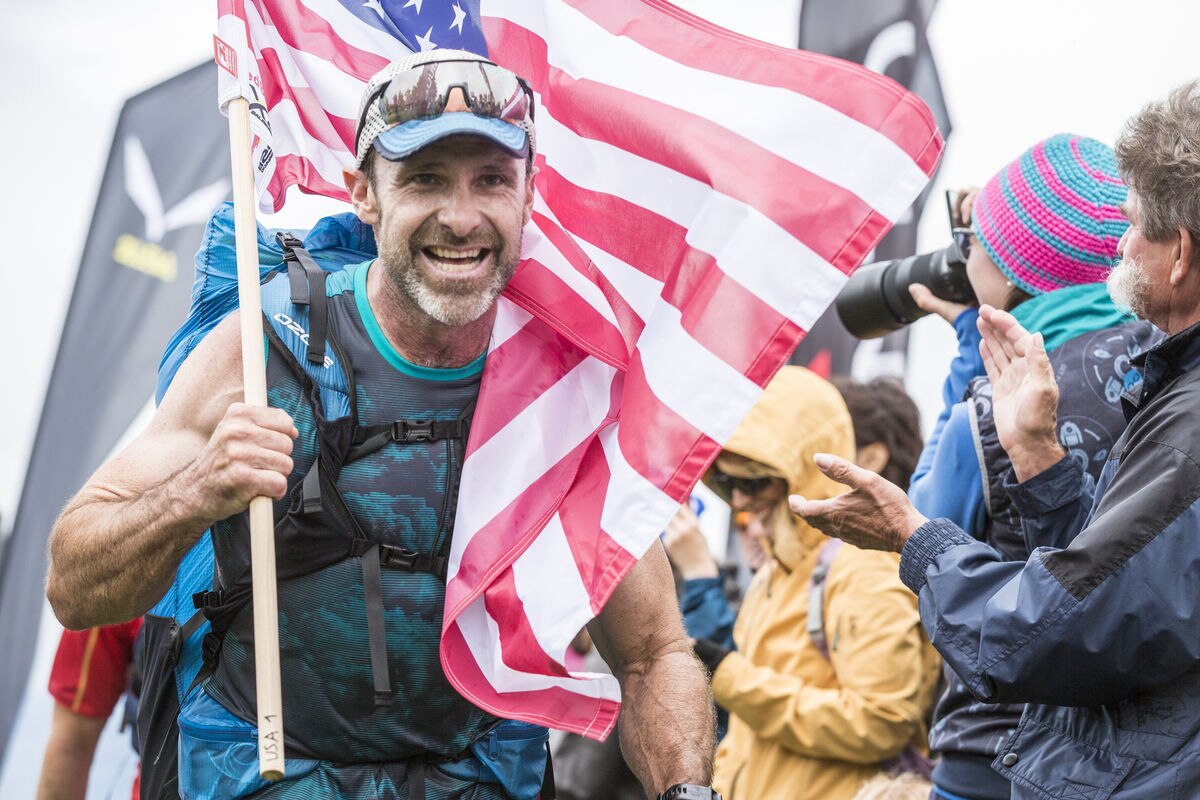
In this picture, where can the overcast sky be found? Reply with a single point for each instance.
(1014, 72)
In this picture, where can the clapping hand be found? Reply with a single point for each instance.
(1024, 392)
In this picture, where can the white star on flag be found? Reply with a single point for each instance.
(425, 41)
(376, 7)
(459, 16)
(416, 3)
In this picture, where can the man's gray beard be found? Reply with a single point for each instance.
(449, 308)
(1128, 286)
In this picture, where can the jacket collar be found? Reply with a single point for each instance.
(1159, 366)
(794, 543)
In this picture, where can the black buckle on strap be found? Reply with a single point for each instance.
(412, 430)
(211, 598)
(210, 649)
(394, 557)
(397, 557)
(200, 600)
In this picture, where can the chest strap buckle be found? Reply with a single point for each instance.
(395, 557)
(398, 557)
(412, 430)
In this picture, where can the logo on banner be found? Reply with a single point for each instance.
(225, 56)
(260, 113)
(257, 109)
(146, 255)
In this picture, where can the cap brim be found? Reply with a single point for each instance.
(403, 140)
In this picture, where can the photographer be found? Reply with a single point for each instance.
(1043, 237)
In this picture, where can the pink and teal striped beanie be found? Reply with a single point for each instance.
(1051, 218)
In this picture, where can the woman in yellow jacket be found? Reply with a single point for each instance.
(808, 721)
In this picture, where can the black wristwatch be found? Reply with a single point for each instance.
(689, 791)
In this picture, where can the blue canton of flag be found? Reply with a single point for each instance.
(424, 24)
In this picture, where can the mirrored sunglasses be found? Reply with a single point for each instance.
(423, 91)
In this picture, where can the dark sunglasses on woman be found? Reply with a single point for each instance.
(747, 486)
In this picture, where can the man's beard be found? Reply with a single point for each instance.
(455, 303)
(1129, 286)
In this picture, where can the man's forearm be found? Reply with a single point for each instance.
(667, 727)
(113, 557)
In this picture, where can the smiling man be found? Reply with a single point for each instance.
(363, 449)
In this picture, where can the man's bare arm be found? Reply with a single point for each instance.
(115, 547)
(666, 726)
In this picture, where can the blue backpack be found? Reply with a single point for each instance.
(174, 720)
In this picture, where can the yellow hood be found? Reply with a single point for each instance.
(798, 415)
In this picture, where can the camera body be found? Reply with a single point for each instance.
(875, 301)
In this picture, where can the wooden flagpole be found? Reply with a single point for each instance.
(262, 523)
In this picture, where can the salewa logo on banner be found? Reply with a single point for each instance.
(148, 255)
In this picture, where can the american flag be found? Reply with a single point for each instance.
(701, 199)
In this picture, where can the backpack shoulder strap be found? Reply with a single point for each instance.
(307, 283)
(816, 595)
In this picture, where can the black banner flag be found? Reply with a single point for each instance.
(887, 36)
(167, 169)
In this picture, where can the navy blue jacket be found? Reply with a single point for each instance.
(1101, 637)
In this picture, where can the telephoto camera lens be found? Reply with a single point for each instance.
(875, 301)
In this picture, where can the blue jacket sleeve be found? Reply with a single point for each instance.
(952, 484)
(947, 482)
(706, 612)
(965, 366)
(1080, 625)
(1054, 506)
(968, 363)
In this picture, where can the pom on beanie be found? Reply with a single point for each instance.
(1052, 217)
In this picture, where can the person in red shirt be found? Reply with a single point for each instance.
(89, 676)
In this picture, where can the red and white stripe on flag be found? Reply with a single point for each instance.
(701, 199)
